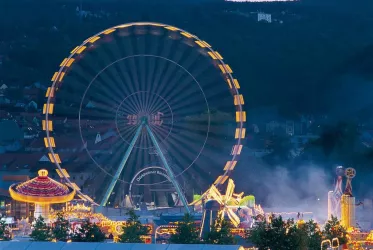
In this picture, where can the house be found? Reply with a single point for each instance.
(31, 93)
(4, 100)
(32, 105)
(264, 17)
(8, 206)
(3, 87)
(11, 136)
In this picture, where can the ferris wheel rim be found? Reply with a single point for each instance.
(229, 76)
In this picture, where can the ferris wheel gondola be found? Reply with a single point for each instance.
(147, 87)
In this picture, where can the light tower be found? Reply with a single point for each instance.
(334, 197)
(348, 201)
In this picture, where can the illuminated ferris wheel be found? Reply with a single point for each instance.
(139, 95)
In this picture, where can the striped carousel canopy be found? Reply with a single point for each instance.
(41, 189)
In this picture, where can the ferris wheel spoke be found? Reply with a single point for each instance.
(172, 84)
(127, 132)
(160, 137)
(165, 72)
(125, 111)
(183, 83)
(153, 68)
(169, 74)
(103, 79)
(101, 95)
(188, 150)
(112, 79)
(160, 106)
(160, 132)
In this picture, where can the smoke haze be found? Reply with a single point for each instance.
(282, 189)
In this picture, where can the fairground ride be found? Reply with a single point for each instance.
(136, 91)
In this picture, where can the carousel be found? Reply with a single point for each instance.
(42, 191)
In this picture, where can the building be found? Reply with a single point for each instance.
(264, 17)
(9, 207)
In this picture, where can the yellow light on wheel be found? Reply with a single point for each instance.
(241, 116)
(61, 76)
(124, 26)
(63, 62)
(50, 92)
(50, 108)
(108, 31)
(218, 55)
(69, 62)
(225, 68)
(221, 179)
(238, 100)
(50, 125)
(236, 150)
(56, 156)
(93, 39)
(206, 44)
(202, 45)
(63, 173)
(186, 34)
(236, 84)
(54, 76)
(212, 55)
(230, 165)
(240, 133)
(52, 143)
(171, 28)
(221, 67)
(80, 50)
(74, 50)
(228, 69)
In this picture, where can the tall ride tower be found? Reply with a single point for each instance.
(334, 197)
(348, 201)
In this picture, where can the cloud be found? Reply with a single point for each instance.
(287, 189)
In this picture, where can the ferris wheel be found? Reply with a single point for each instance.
(143, 93)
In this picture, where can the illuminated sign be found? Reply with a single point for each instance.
(154, 119)
(158, 172)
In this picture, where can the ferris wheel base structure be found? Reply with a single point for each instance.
(144, 124)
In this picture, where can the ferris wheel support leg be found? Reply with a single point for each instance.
(168, 169)
(121, 166)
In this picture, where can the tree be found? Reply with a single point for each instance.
(61, 229)
(133, 230)
(333, 229)
(186, 232)
(276, 234)
(309, 235)
(220, 233)
(4, 231)
(88, 232)
(41, 231)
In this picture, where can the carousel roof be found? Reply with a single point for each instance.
(41, 189)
